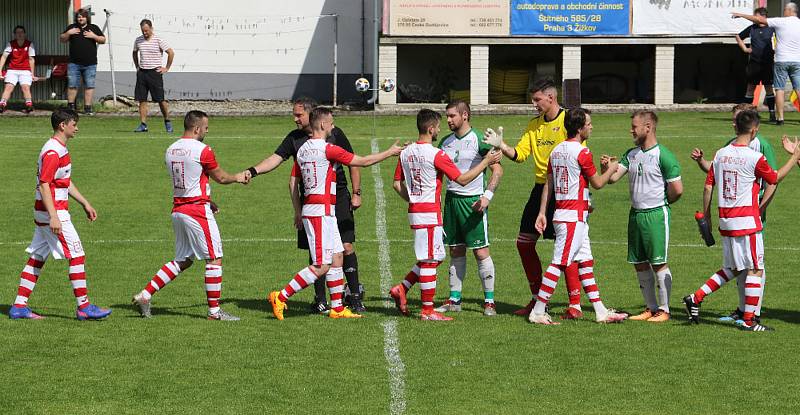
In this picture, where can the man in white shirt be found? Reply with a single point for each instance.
(787, 51)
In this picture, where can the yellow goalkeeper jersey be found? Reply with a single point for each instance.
(538, 141)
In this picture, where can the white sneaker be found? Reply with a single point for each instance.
(612, 316)
(543, 319)
(142, 304)
(449, 306)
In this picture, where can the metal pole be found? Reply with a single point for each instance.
(110, 54)
(335, 56)
(375, 51)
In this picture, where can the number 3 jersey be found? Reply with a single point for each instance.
(316, 164)
(735, 171)
(421, 166)
(570, 167)
(189, 161)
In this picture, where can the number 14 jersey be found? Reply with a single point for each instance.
(570, 167)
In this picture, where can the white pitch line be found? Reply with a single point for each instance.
(391, 347)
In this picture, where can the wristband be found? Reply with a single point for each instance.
(357, 192)
(488, 194)
(253, 172)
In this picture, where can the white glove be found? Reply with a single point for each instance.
(494, 139)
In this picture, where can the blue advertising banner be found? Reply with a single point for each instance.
(570, 17)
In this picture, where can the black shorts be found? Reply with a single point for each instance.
(149, 80)
(759, 72)
(344, 218)
(528, 220)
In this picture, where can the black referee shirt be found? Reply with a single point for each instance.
(296, 138)
(760, 42)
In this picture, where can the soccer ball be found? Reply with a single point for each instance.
(362, 85)
(387, 85)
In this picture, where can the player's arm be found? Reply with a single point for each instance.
(744, 34)
(74, 193)
(50, 206)
(355, 182)
(399, 183)
(770, 189)
(674, 191)
(32, 63)
(519, 153)
(697, 156)
(97, 36)
(294, 193)
(588, 170)
(618, 174)
(265, 166)
(708, 194)
(763, 169)
(170, 57)
(365, 161)
(222, 177)
(451, 171)
(753, 18)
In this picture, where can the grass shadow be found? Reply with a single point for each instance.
(159, 311)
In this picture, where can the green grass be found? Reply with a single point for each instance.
(178, 362)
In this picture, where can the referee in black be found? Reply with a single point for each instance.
(346, 202)
(761, 60)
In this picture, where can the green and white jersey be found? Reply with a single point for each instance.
(466, 152)
(649, 171)
(761, 145)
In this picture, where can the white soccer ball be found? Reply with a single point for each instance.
(387, 85)
(52, 95)
(362, 85)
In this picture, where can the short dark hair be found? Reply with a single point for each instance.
(459, 105)
(743, 106)
(85, 13)
(145, 22)
(192, 119)
(542, 85)
(308, 103)
(62, 115)
(648, 115)
(19, 26)
(317, 114)
(426, 119)
(761, 11)
(574, 120)
(745, 121)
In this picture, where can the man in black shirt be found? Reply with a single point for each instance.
(83, 38)
(761, 60)
(345, 202)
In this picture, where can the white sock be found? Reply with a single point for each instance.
(457, 272)
(600, 309)
(539, 307)
(486, 272)
(647, 284)
(664, 288)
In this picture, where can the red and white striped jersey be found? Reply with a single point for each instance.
(737, 169)
(421, 166)
(54, 168)
(316, 163)
(570, 168)
(189, 161)
(19, 59)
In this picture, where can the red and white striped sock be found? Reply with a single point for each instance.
(549, 283)
(301, 280)
(77, 277)
(213, 287)
(752, 296)
(28, 103)
(334, 279)
(411, 278)
(427, 284)
(27, 280)
(164, 276)
(586, 272)
(717, 280)
(573, 280)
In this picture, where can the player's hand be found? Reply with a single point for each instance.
(298, 221)
(243, 177)
(481, 204)
(73, 31)
(697, 154)
(247, 175)
(493, 156)
(162, 70)
(788, 145)
(494, 138)
(355, 202)
(91, 214)
(541, 224)
(396, 148)
(55, 225)
(35, 78)
(214, 207)
(90, 35)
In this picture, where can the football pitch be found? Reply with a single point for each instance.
(178, 362)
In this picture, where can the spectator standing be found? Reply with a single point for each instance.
(83, 38)
(148, 51)
(761, 60)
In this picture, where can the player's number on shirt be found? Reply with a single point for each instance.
(730, 184)
(416, 182)
(309, 174)
(561, 178)
(178, 176)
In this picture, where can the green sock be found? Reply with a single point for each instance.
(455, 296)
(488, 296)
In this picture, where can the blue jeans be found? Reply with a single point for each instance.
(785, 71)
(76, 71)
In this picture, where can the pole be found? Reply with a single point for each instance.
(375, 51)
(107, 31)
(335, 56)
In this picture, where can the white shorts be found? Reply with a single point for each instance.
(743, 252)
(429, 243)
(196, 233)
(14, 76)
(67, 244)
(572, 243)
(323, 238)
